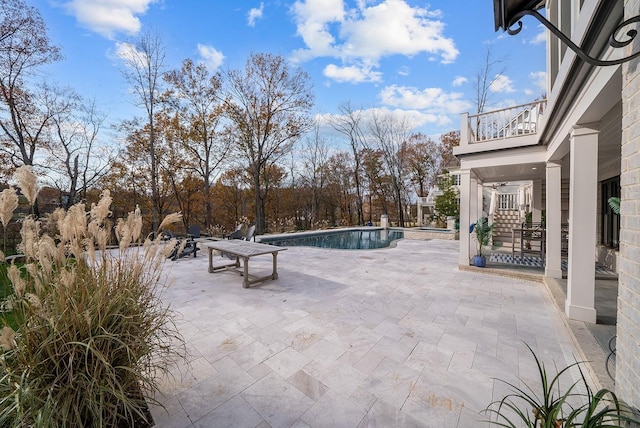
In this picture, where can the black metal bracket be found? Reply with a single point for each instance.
(613, 41)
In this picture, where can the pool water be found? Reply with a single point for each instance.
(346, 240)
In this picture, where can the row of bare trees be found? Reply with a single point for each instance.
(219, 147)
(197, 122)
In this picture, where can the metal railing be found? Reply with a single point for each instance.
(506, 123)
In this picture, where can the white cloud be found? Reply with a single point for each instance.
(541, 37)
(393, 27)
(414, 118)
(539, 79)
(129, 54)
(313, 18)
(352, 74)
(433, 100)
(254, 14)
(369, 32)
(459, 81)
(211, 57)
(501, 83)
(404, 71)
(108, 17)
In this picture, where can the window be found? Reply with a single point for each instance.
(609, 221)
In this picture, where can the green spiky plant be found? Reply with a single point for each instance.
(483, 231)
(614, 203)
(84, 334)
(557, 408)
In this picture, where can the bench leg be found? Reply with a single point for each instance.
(210, 260)
(245, 283)
(274, 275)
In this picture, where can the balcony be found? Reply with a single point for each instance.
(501, 129)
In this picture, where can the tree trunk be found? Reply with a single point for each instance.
(260, 226)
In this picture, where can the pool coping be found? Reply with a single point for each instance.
(309, 233)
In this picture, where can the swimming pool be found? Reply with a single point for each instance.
(360, 239)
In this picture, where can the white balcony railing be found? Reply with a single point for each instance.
(506, 123)
(508, 201)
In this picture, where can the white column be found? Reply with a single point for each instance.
(419, 209)
(553, 261)
(465, 220)
(481, 212)
(492, 204)
(536, 202)
(473, 209)
(580, 302)
(473, 198)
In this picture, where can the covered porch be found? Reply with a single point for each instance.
(573, 162)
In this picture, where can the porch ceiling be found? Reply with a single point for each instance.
(530, 171)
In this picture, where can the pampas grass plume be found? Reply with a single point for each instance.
(19, 285)
(8, 204)
(30, 234)
(170, 219)
(7, 338)
(28, 182)
(101, 211)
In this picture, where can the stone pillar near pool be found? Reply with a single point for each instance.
(384, 221)
(451, 223)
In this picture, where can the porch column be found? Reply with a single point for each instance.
(580, 302)
(419, 209)
(476, 207)
(536, 201)
(553, 261)
(465, 220)
(480, 202)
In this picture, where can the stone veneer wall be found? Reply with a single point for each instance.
(628, 329)
(428, 234)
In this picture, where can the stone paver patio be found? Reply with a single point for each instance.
(344, 338)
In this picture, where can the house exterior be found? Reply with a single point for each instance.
(577, 148)
(426, 205)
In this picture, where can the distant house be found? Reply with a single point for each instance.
(577, 148)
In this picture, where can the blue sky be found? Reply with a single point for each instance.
(417, 58)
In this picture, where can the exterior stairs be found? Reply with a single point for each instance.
(505, 221)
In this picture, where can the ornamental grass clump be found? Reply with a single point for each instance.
(552, 405)
(84, 334)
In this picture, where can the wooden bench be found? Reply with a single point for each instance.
(243, 250)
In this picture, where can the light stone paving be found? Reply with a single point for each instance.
(397, 337)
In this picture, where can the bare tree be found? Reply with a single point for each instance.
(348, 123)
(487, 75)
(448, 141)
(143, 68)
(77, 159)
(315, 156)
(195, 94)
(24, 47)
(424, 162)
(391, 134)
(268, 103)
(376, 180)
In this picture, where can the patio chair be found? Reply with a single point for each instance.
(250, 233)
(190, 247)
(236, 234)
(194, 231)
